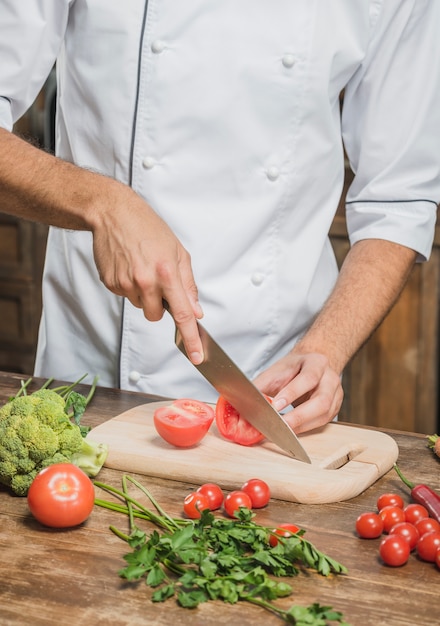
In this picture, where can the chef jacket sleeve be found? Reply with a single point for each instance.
(31, 34)
(391, 128)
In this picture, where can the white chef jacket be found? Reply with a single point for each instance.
(225, 117)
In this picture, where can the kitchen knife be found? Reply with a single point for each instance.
(232, 384)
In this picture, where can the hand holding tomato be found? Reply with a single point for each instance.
(61, 496)
(306, 381)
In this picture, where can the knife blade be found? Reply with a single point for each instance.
(231, 383)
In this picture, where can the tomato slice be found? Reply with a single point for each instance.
(183, 423)
(234, 427)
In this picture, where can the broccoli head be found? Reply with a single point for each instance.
(35, 432)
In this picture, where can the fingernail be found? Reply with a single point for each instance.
(279, 404)
(196, 358)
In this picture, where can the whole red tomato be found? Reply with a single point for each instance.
(394, 550)
(407, 530)
(437, 558)
(369, 525)
(61, 496)
(426, 525)
(194, 504)
(183, 423)
(283, 530)
(235, 500)
(258, 491)
(390, 499)
(428, 545)
(391, 515)
(214, 493)
(414, 512)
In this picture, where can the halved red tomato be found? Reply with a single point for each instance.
(234, 427)
(184, 422)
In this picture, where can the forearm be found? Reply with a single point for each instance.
(371, 279)
(37, 186)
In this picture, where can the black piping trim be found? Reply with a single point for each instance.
(135, 113)
(130, 172)
(391, 201)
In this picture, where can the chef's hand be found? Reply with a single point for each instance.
(139, 257)
(307, 382)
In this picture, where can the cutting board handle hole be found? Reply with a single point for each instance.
(341, 456)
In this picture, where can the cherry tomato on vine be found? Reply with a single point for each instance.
(235, 500)
(369, 525)
(428, 545)
(258, 491)
(214, 493)
(391, 515)
(414, 512)
(394, 550)
(407, 530)
(183, 423)
(390, 499)
(283, 530)
(61, 496)
(426, 525)
(234, 427)
(194, 504)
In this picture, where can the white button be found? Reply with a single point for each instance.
(288, 60)
(257, 278)
(148, 162)
(157, 46)
(134, 376)
(272, 173)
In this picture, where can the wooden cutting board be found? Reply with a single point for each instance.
(345, 459)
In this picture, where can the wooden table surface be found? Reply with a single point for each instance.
(48, 577)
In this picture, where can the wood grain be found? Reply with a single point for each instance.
(345, 460)
(48, 577)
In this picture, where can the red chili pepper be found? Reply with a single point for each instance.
(422, 494)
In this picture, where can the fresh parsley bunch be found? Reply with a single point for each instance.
(213, 558)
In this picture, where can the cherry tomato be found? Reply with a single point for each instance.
(437, 558)
(214, 494)
(407, 530)
(390, 499)
(235, 500)
(426, 525)
(258, 491)
(283, 530)
(184, 422)
(394, 550)
(427, 546)
(369, 525)
(391, 515)
(194, 504)
(234, 427)
(414, 512)
(61, 496)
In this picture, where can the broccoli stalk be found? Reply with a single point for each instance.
(43, 428)
(91, 457)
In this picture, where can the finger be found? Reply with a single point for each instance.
(185, 320)
(315, 412)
